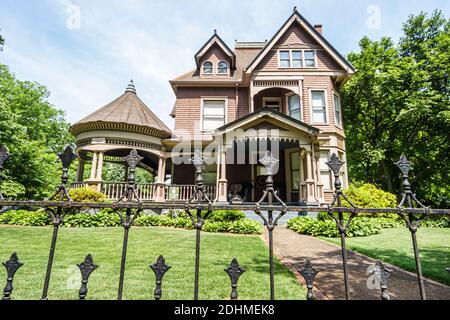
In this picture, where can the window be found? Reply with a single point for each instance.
(295, 170)
(285, 61)
(207, 67)
(325, 173)
(310, 59)
(337, 110)
(213, 114)
(223, 67)
(318, 106)
(297, 59)
(294, 107)
(274, 103)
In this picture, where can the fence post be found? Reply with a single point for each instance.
(269, 162)
(66, 157)
(127, 221)
(413, 222)
(199, 219)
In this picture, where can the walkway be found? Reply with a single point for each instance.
(294, 249)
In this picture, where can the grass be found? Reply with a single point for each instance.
(145, 245)
(394, 246)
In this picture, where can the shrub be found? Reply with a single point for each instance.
(327, 228)
(104, 218)
(25, 218)
(226, 215)
(369, 196)
(86, 194)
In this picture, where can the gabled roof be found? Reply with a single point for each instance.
(126, 112)
(269, 113)
(297, 17)
(216, 39)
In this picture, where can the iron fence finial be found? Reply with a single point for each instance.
(308, 273)
(11, 266)
(86, 268)
(234, 271)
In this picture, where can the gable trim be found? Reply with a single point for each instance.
(296, 16)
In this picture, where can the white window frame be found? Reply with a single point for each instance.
(228, 68)
(203, 68)
(303, 59)
(326, 106)
(288, 111)
(203, 99)
(340, 124)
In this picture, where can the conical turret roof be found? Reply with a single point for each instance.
(126, 113)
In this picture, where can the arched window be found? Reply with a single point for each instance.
(207, 67)
(223, 67)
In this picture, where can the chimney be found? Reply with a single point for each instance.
(319, 28)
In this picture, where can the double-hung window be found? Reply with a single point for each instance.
(294, 107)
(285, 59)
(213, 114)
(325, 173)
(318, 106)
(297, 61)
(310, 59)
(337, 110)
(297, 58)
(207, 67)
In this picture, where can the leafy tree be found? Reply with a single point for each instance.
(34, 131)
(398, 103)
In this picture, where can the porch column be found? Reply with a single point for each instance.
(94, 166)
(319, 188)
(302, 185)
(310, 194)
(100, 166)
(80, 171)
(223, 182)
(160, 187)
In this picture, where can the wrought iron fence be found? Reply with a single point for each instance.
(199, 207)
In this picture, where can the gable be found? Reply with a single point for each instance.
(215, 41)
(215, 54)
(299, 33)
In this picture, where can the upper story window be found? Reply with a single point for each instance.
(223, 67)
(337, 110)
(274, 103)
(213, 114)
(319, 108)
(207, 67)
(294, 107)
(297, 59)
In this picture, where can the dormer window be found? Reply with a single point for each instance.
(222, 68)
(207, 67)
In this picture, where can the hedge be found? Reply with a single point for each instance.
(221, 221)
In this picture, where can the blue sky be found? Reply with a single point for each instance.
(154, 41)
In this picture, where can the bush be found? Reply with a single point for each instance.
(25, 218)
(327, 228)
(104, 218)
(86, 194)
(369, 196)
(226, 215)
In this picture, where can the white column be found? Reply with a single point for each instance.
(100, 166)
(302, 185)
(94, 166)
(223, 182)
(310, 184)
(160, 194)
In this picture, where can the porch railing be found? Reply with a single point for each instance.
(184, 193)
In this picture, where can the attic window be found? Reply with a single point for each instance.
(207, 67)
(223, 67)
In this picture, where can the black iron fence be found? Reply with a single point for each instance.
(270, 208)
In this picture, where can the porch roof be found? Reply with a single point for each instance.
(269, 113)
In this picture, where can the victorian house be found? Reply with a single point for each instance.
(281, 95)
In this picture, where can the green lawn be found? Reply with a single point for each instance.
(395, 246)
(145, 245)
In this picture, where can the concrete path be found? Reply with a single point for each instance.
(294, 249)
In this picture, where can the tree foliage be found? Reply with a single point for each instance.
(398, 103)
(34, 131)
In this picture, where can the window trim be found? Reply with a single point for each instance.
(327, 117)
(303, 59)
(203, 68)
(341, 122)
(288, 111)
(218, 68)
(212, 98)
(276, 99)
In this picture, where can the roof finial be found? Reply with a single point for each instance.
(295, 8)
(215, 31)
(131, 88)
